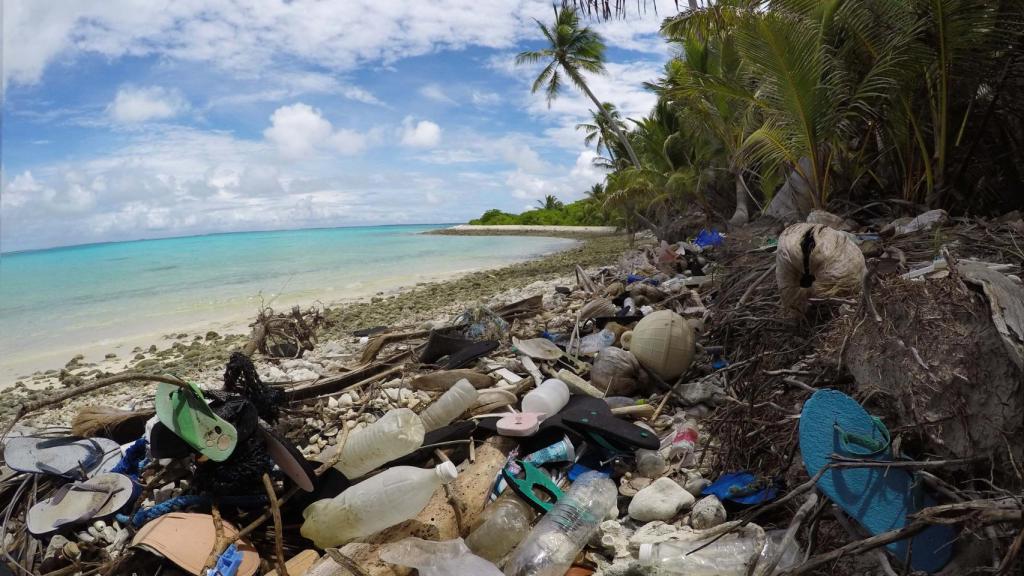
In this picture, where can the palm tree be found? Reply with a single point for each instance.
(572, 50)
(598, 130)
(550, 203)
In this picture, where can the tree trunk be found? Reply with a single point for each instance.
(742, 213)
(613, 125)
(795, 199)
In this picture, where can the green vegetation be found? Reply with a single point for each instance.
(552, 212)
(777, 107)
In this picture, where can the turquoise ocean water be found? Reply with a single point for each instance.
(94, 298)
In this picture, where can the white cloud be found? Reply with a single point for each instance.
(298, 130)
(584, 170)
(422, 134)
(436, 93)
(135, 104)
(481, 98)
(248, 36)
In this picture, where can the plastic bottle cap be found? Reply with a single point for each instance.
(447, 472)
(646, 555)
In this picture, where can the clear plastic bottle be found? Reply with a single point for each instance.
(732, 555)
(503, 524)
(548, 398)
(395, 495)
(594, 343)
(554, 542)
(397, 433)
(449, 406)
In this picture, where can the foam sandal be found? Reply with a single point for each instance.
(184, 411)
(68, 456)
(80, 502)
(879, 499)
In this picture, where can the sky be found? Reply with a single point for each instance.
(145, 119)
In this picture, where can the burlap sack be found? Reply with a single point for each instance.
(815, 261)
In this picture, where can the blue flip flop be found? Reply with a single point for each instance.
(742, 488)
(880, 499)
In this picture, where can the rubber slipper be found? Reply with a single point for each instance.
(742, 488)
(80, 502)
(879, 499)
(455, 352)
(66, 456)
(184, 411)
(187, 540)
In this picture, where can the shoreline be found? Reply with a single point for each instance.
(574, 232)
(198, 355)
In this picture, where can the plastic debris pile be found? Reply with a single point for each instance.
(691, 409)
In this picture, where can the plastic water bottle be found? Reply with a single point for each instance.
(732, 555)
(548, 398)
(449, 406)
(503, 524)
(397, 433)
(395, 495)
(553, 544)
(594, 343)
(684, 440)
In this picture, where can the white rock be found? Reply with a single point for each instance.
(662, 500)
(392, 393)
(273, 374)
(302, 374)
(332, 402)
(707, 513)
(345, 400)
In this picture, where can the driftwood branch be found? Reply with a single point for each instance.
(275, 510)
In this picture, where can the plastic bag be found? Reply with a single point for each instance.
(438, 558)
(616, 371)
(816, 261)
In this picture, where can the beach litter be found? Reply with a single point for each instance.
(665, 413)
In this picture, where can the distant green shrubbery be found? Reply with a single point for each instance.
(580, 213)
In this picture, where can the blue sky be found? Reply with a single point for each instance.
(143, 119)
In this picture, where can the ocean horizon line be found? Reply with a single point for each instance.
(208, 234)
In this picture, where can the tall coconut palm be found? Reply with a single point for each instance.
(598, 132)
(572, 50)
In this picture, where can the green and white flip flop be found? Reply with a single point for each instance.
(184, 411)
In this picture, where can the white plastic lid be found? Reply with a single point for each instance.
(447, 472)
(646, 555)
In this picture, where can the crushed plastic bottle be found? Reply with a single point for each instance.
(502, 525)
(553, 544)
(397, 433)
(449, 406)
(395, 495)
(594, 343)
(732, 555)
(431, 558)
